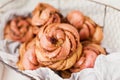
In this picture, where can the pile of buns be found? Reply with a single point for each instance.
(48, 39)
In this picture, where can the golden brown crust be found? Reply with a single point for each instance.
(89, 54)
(27, 58)
(60, 48)
(88, 29)
(76, 18)
(45, 14)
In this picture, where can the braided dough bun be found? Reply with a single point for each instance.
(95, 31)
(27, 58)
(58, 46)
(19, 29)
(45, 14)
(76, 18)
(89, 55)
(87, 28)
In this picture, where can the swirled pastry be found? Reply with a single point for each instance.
(19, 29)
(87, 28)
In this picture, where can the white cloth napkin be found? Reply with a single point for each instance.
(5, 5)
(107, 67)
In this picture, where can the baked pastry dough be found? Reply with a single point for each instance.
(19, 29)
(87, 28)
